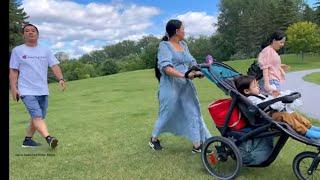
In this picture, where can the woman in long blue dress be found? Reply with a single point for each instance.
(179, 111)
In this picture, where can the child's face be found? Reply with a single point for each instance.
(253, 88)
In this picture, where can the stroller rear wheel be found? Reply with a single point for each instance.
(221, 157)
(305, 166)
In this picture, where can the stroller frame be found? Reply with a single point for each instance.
(264, 126)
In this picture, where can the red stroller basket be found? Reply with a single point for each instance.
(218, 111)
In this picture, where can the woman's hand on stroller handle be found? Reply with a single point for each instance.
(194, 72)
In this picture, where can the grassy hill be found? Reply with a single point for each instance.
(313, 77)
(104, 125)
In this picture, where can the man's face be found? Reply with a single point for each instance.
(30, 33)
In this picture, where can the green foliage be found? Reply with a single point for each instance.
(17, 18)
(107, 67)
(199, 48)
(313, 77)
(222, 49)
(131, 63)
(303, 36)
(245, 25)
(74, 70)
(96, 56)
(121, 49)
(149, 47)
(309, 14)
(287, 12)
(317, 12)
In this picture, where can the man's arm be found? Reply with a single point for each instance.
(14, 73)
(57, 72)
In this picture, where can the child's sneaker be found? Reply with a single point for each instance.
(155, 145)
(52, 141)
(315, 128)
(30, 143)
(312, 134)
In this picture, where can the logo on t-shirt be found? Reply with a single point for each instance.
(26, 57)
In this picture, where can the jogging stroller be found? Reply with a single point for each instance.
(220, 154)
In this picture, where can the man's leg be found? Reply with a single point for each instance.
(28, 141)
(40, 126)
(31, 129)
(37, 107)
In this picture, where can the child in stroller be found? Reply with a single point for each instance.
(248, 86)
(262, 138)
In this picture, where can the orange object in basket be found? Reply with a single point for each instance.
(213, 159)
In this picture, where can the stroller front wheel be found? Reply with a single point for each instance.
(305, 165)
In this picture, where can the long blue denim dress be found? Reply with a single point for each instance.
(179, 111)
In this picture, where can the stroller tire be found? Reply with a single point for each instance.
(301, 164)
(221, 158)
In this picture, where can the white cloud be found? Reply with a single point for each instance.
(70, 26)
(89, 47)
(58, 45)
(198, 23)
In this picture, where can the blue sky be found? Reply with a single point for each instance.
(81, 26)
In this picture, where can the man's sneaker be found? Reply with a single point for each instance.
(53, 142)
(155, 145)
(30, 143)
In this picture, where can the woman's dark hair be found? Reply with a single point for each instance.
(277, 35)
(243, 82)
(26, 25)
(171, 29)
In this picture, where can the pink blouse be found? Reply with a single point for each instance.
(269, 58)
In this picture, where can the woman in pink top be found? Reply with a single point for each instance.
(270, 63)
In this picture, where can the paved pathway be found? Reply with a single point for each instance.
(310, 92)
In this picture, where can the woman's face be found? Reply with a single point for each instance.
(180, 33)
(278, 44)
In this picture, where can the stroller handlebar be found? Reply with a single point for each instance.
(291, 97)
(285, 99)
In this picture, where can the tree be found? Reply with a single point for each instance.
(149, 53)
(244, 25)
(287, 12)
(108, 67)
(17, 18)
(62, 56)
(303, 37)
(96, 56)
(121, 49)
(317, 12)
(131, 62)
(308, 14)
(200, 47)
(221, 49)
(144, 42)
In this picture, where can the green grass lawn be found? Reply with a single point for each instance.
(313, 77)
(104, 125)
